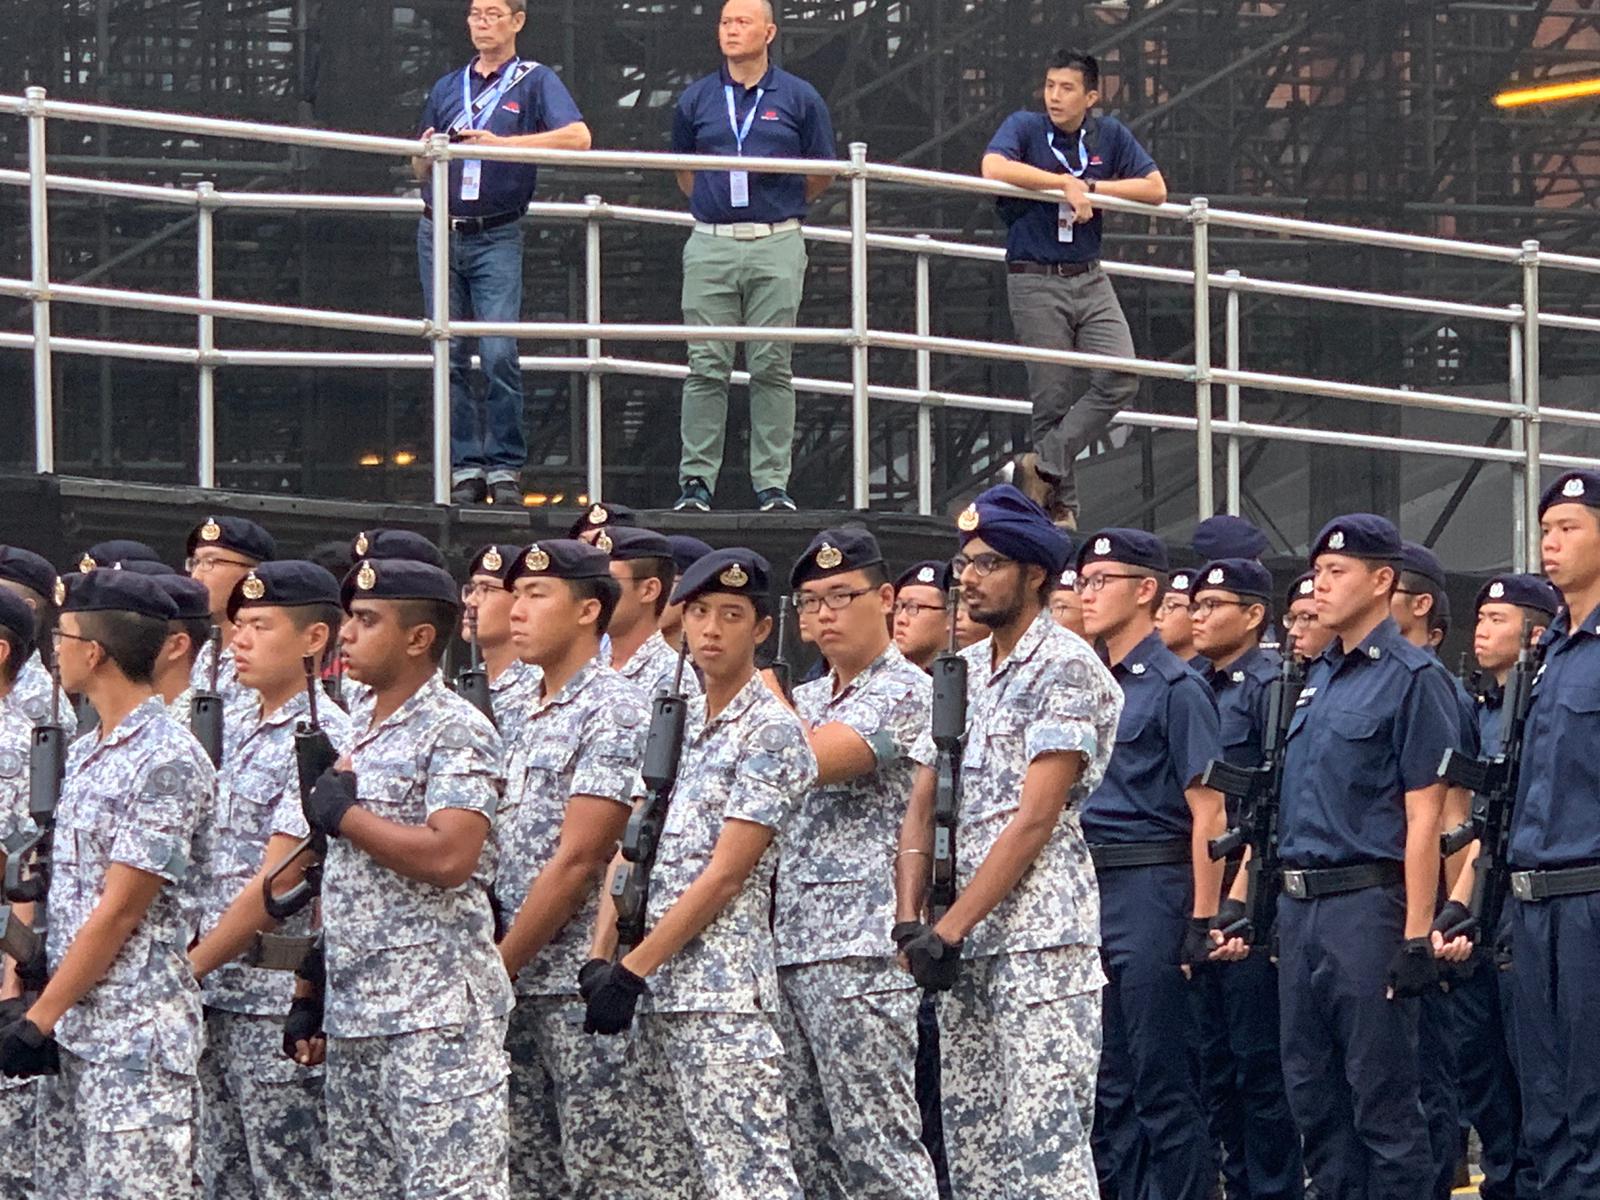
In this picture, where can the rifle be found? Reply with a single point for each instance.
(663, 746)
(1493, 782)
(472, 681)
(313, 754)
(27, 877)
(949, 721)
(780, 662)
(1259, 794)
(205, 706)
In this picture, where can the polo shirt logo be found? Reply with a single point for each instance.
(511, 106)
(770, 115)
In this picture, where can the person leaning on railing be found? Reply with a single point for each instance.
(1060, 298)
(498, 99)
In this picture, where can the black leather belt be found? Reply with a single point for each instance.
(1332, 881)
(1061, 270)
(476, 224)
(1533, 886)
(1139, 854)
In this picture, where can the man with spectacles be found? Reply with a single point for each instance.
(1147, 825)
(1173, 620)
(221, 551)
(1066, 605)
(921, 618)
(642, 564)
(486, 605)
(1015, 956)
(497, 99)
(1311, 636)
(1242, 1071)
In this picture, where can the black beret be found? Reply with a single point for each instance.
(1301, 588)
(735, 572)
(492, 559)
(288, 583)
(239, 534)
(1016, 527)
(1360, 535)
(930, 572)
(1131, 547)
(1419, 560)
(119, 591)
(601, 515)
(117, 550)
(1575, 487)
(1525, 591)
(191, 597)
(29, 569)
(398, 579)
(1182, 581)
(627, 542)
(1241, 576)
(401, 544)
(835, 551)
(17, 616)
(559, 558)
(151, 570)
(687, 550)
(1227, 536)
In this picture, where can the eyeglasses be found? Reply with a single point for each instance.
(1295, 620)
(470, 591)
(1173, 604)
(204, 566)
(810, 602)
(57, 636)
(1205, 608)
(1063, 610)
(486, 16)
(1097, 583)
(913, 609)
(984, 564)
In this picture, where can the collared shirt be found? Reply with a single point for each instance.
(835, 889)
(1556, 820)
(1370, 726)
(586, 740)
(32, 694)
(790, 121)
(654, 665)
(512, 694)
(537, 103)
(261, 778)
(1242, 690)
(1026, 137)
(404, 955)
(142, 796)
(1049, 695)
(751, 762)
(1169, 732)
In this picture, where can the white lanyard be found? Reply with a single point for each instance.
(739, 181)
(1083, 155)
(487, 104)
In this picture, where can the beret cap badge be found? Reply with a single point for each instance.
(210, 531)
(536, 559)
(492, 560)
(734, 577)
(968, 520)
(829, 557)
(366, 577)
(253, 588)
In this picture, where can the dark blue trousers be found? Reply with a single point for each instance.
(1491, 1099)
(1349, 1054)
(1150, 1137)
(1437, 1089)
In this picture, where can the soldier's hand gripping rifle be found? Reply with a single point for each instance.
(472, 681)
(205, 706)
(630, 883)
(1258, 793)
(27, 877)
(314, 754)
(949, 722)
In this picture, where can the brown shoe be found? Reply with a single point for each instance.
(1032, 482)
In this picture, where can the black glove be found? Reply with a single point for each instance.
(313, 967)
(934, 961)
(614, 996)
(1413, 970)
(25, 1051)
(1231, 921)
(303, 1023)
(11, 1010)
(1197, 947)
(325, 805)
(1455, 920)
(589, 976)
(35, 973)
(904, 932)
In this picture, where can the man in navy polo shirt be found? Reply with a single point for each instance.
(498, 99)
(1060, 298)
(745, 262)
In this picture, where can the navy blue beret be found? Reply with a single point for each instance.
(1575, 487)
(1241, 576)
(1301, 588)
(1013, 525)
(193, 598)
(627, 542)
(152, 570)
(289, 583)
(402, 544)
(1419, 560)
(835, 551)
(492, 559)
(735, 571)
(559, 558)
(1439, 615)
(930, 572)
(1525, 591)
(117, 550)
(1227, 536)
(239, 534)
(398, 579)
(29, 569)
(119, 591)
(601, 515)
(1360, 535)
(1131, 547)
(687, 550)
(17, 616)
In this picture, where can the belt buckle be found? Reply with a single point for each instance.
(1294, 884)
(1522, 885)
(745, 231)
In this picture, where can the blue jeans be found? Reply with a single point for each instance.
(486, 441)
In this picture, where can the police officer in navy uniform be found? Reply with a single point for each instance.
(1359, 837)
(498, 99)
(1147, 826)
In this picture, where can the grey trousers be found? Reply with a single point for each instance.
(1080, 313)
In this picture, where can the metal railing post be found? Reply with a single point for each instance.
(924, 385)
(1230, 393)
(439, 154)
(1530, 394)
(591, 314)
(205, 288)
(860, 439)
(1520, 516)
(1205, 492)
(44, 428)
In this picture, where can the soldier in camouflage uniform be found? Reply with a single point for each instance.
(706, 1045)
(1020, 1017)
(416, 994)
(120, 1017)
(642, 564)
(571, 779)
(186, 635)
(30, 576)
(513, 683)
(376, 545)
(262, 1116)
(849, 1021)
(220, 550)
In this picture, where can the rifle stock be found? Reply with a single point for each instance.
(781, 671)
(205, 706)
(472, 681)
(949, 721)
(27, 874)
(314, 753)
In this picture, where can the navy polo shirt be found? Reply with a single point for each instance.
(1556, 821)
(538, 103)
(1167, 735)
(1370, 726)
(1114, 153)
(1242, 691)
(791, 121)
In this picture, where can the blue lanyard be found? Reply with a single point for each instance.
(1083, 155)
(739, 135)
(480, 120)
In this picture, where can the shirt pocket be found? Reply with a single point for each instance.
(1357, 740)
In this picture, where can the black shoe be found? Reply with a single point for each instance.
(469, 491)
(774, 499)
(696, 496)
(506, 492)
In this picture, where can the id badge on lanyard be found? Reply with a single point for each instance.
(1065, 217)
(472, 168)
(739, 181)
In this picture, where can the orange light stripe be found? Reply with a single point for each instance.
(1548, 93)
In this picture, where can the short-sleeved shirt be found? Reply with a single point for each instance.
(1168, 734)
(654, 665)
(404, 955)
(261, 778)
(835, 890)
(789, 120)
(140, 795)
(1242, 690)
(32, 694)
(1370, 725)
(536, 102)
(1028, 137)
(586, 740)
(1556, 821)
(512, 694)
(16, 748)
(751, 762)
(1049, 695)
